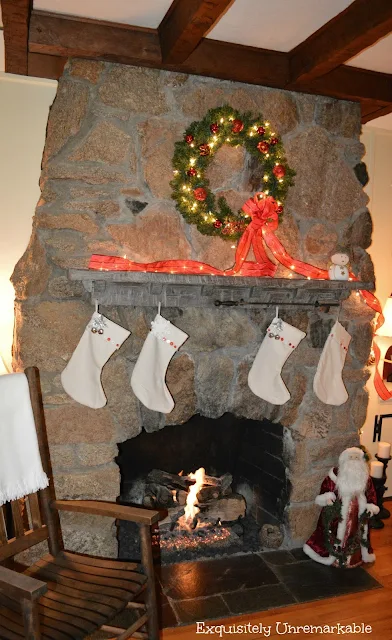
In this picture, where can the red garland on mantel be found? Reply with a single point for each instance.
(263, 211)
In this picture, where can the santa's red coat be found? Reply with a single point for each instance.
(343, 528)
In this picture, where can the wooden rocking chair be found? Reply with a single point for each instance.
(67, 595)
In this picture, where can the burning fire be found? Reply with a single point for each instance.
(191, 510)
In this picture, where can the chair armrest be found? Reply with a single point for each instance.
(19, 586)
(109, 509)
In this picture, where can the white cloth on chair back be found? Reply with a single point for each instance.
(21, 469)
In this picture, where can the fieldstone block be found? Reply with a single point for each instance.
(302, 519)
(195, 103)
(280, 109)
(86, 69)
(180, 379)
(321, 239)
(210, 329)
(84, 173)
(75, 221)
(102, 208)
(47, 333)
(63, 457)
(359, 408)
(339, 116)
(305, 487)
(361, 341)
(212, 250)
(32, 272)
(325, 186)
(316, 418)
(62, 287)
(157, 142)
(327, 451)
(157, 234)
(122, 403)
(91, 535)
(106, 143)
(213, 384)
(100, 484)
(66, 116)
(133, 89)
(359, 233)
(225, 168)
(94, 455)
(73, 424)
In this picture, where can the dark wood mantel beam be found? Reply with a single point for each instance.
(16, 19)
(185, 25)
(359, 26)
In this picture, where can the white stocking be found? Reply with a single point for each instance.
(265, 375)
(148, 377)
(81, 377)
(328, 384)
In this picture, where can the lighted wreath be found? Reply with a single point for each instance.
(192, 155)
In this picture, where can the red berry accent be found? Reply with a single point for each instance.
(279, 209)
(260, 131)
(117, 345)
(282, 339)
(164, 339)
(274, 141)
(109, 339)
(175, 346)
(218, 224)
(191, 172)
(189, 138)
(171, 344)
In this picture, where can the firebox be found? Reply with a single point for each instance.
(215, 482)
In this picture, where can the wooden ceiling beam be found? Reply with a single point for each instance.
(58, 37)
(185, 25)
(16, 19)
(383, 111)
(359, 26)
(66, 36)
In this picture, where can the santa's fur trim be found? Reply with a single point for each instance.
(323, 499)
(332, 475)
(315, 556)
(373, 509)
(366, 556)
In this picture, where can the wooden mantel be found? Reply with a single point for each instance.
(112, 288)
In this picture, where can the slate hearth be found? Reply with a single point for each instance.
(194, 591)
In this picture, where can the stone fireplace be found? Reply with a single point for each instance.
(105, 189)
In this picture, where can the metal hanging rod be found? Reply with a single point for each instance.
(242, 302)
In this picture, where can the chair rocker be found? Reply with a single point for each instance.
(68, 595)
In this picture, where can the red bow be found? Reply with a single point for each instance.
(263, 211)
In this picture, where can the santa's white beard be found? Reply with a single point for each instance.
(352, 478)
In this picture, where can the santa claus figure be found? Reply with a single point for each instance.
(348, 500)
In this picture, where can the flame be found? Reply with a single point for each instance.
(191, 510)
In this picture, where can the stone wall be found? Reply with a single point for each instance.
(105, 189)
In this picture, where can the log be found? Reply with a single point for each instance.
(226, 509)
(171, 480)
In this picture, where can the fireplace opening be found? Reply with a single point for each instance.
(215, 482)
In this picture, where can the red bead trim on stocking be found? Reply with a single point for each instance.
(169, 342)
(277, 336)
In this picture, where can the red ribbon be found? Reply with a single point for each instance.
(264, 222)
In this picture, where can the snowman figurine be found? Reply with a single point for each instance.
(339, 269)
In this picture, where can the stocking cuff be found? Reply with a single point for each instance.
(164, 330)
(340, 335)
(112, 332)
(287, 334)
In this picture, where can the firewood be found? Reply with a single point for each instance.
(226, 509)
(170, 480)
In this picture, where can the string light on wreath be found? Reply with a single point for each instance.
(194, 154)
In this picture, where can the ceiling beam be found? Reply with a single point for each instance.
(350, 32)
(185, 24)
(383, 111)
(66, 36)
(58, 37)
(16, 18)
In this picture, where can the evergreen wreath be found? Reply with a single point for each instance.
(192, 156)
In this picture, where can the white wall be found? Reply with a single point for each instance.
(24, 107)
(378, 143)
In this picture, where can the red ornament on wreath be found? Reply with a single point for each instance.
(237, 126)
(191, 172)
(279, 209)
(279, 171)
(274, 141)
(200, 194)
(260, 131)
(218, 224)
(214, 128)
(189, 138)
(204, 149)
(263, 147)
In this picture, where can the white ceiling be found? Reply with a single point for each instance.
(375, 58)
(278, 25)
(142, 13)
